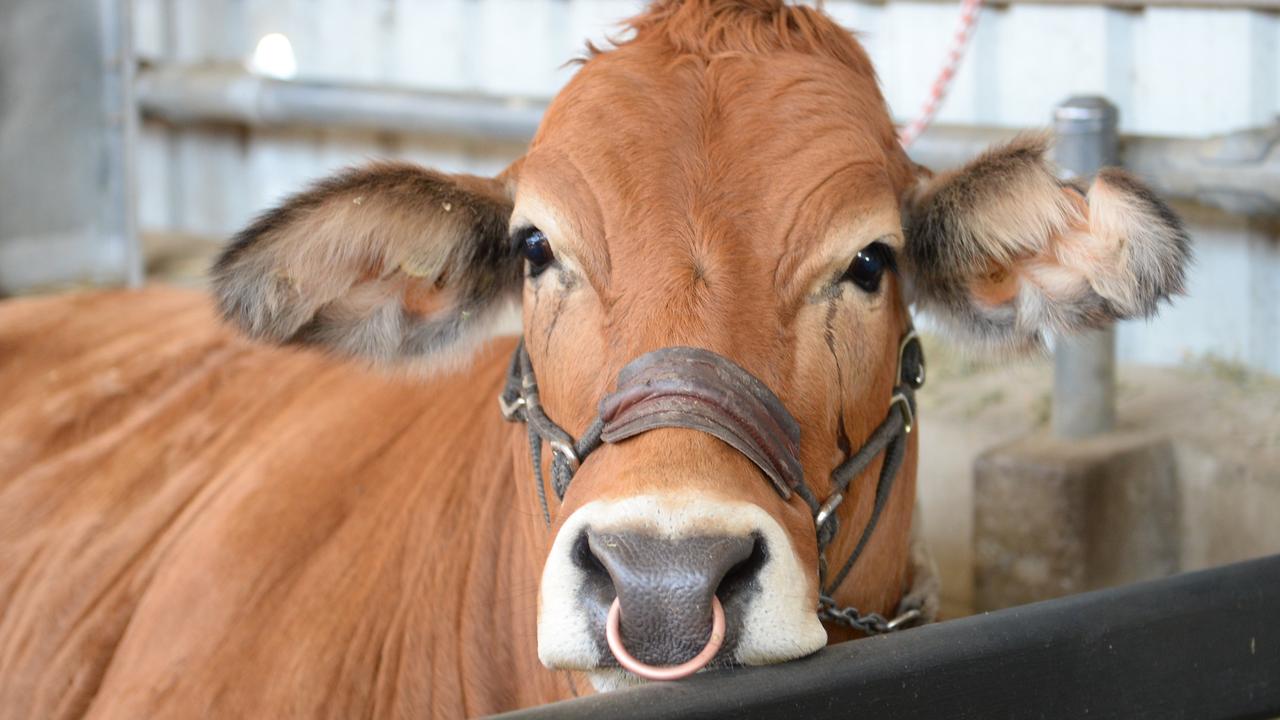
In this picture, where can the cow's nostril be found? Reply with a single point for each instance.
(742, 577)
(584, 558)
(596, 582)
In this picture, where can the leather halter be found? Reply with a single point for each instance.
(696, 389)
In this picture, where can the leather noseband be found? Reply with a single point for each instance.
(684, 387)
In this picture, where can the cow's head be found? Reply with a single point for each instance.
(727, 180)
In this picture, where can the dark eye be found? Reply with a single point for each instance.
(535, 247)
(868, 267)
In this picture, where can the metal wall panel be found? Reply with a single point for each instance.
(1173, 71)
(66, 130)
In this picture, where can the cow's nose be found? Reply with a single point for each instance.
(665, 587)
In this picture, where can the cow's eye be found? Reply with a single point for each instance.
(535, 247)
(869, 265)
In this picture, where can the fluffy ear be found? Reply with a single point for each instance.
(388, 262)
(1001, 251)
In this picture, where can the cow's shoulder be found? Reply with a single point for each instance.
(181, 509)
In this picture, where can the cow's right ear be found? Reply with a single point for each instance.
(389, 262)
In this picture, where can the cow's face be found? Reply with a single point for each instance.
(747, 205)
(745, 196)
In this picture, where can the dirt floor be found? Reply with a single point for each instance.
(1223, 420)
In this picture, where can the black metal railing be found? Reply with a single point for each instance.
(1199, 645)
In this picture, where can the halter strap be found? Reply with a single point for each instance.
(692, 388)
(887, 439)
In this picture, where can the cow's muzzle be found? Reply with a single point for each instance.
(665, 588)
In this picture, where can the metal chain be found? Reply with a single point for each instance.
(871, 623)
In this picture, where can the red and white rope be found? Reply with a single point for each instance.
(964, 31)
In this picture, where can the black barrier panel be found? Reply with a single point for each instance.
(1199, 645)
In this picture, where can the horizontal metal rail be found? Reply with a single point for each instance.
(220, 94)
(1239, 172)
(1199, 645)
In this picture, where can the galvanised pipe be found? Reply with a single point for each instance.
(1239, 172)
(1084, 365)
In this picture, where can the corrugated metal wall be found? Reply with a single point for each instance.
(1172, 71)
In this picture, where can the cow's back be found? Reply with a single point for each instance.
(182, 512)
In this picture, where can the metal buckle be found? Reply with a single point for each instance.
(909, 419)
(905, 618)
(567, 452)
(828, 507)
(916, 382)
(509, 409)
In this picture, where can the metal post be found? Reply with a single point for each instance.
(1084, 371)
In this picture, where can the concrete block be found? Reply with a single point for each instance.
(1230, 505)
(1055, 517)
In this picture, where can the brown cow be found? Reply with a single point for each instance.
(196, 526)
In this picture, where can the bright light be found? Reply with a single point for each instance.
(274, 57)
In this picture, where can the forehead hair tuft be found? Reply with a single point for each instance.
(707, 28)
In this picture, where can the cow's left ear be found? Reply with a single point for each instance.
(390, 262)
(1001, 251)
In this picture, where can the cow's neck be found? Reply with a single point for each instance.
(500, 665)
